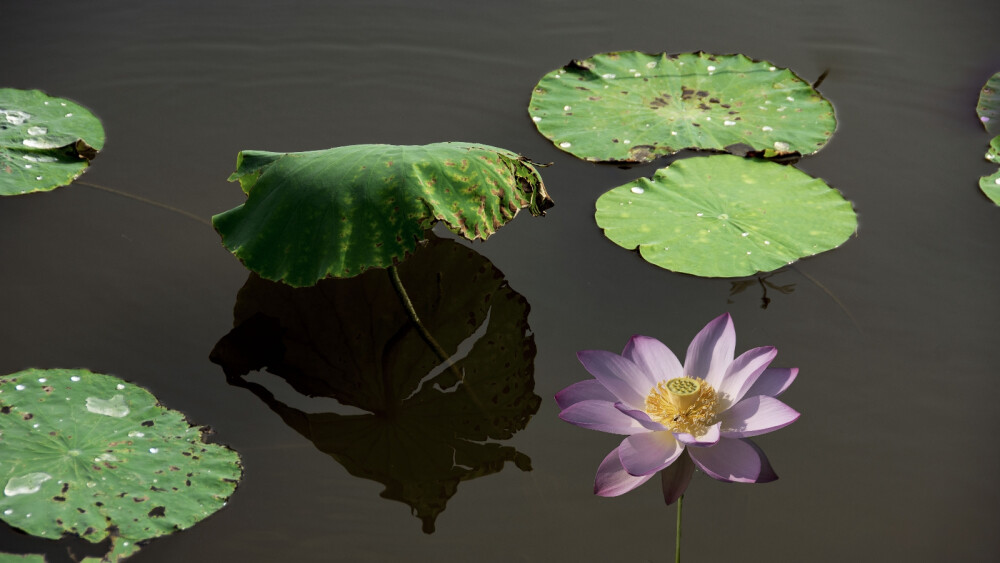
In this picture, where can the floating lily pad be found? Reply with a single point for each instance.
(27, 558)
(989, 105)
(430, 427)
(88, 454)
(991, 186)
(45, 142)
(341, 211)
(993, 154)
(632, 106)
(726, 216)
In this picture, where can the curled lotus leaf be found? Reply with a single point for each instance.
(635, 107)
(988, 108)
(89, 454)
(45, 142)
(726, 216)
(341, 211)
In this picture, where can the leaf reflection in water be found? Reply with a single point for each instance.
(429, 427)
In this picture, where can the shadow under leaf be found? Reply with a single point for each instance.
(430, 422)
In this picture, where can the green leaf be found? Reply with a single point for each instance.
(45, 142)
(350, 339)
(91, 455)
(632, 106)
(341, 211)
(27, 558)
(991, 186)
(726, 216)
(989, 105)
(993, 154)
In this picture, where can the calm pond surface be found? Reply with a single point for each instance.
(894, 457)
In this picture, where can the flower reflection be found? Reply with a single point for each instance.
(677, 417)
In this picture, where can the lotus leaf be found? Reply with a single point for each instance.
(991, 186)
(632, 106)
(45, 142)
(726, 216)
(351, 340)
(989, 105)
(341, 211)
(88, 454)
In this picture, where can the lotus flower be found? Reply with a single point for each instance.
(677, 417)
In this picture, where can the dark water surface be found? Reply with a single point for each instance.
(894, 457)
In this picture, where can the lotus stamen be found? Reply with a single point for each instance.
(683, 404)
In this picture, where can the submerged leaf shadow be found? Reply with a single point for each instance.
(429, 426)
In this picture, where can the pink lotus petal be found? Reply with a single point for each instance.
(648, 452)
(586, 390)
(614, 402)
(641, 417)
(676, 477)
(601, 416)
(620, 376)
(756, 415)
(743, 372)
(612, 479)
(772, 382)
(654, 358)
(705, 440)
(711, 351)
(734, 460)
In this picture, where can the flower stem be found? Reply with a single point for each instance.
(677, 542)
(397, 284)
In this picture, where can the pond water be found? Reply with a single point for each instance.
(894, 332)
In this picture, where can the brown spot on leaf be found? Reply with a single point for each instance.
(642, 153)
(660, 101)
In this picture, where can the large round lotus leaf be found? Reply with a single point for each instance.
(989, 104)
(991, 186)
(91, 455)
(632, 106)
(726, 216)
(45, 142)
(341, 211)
